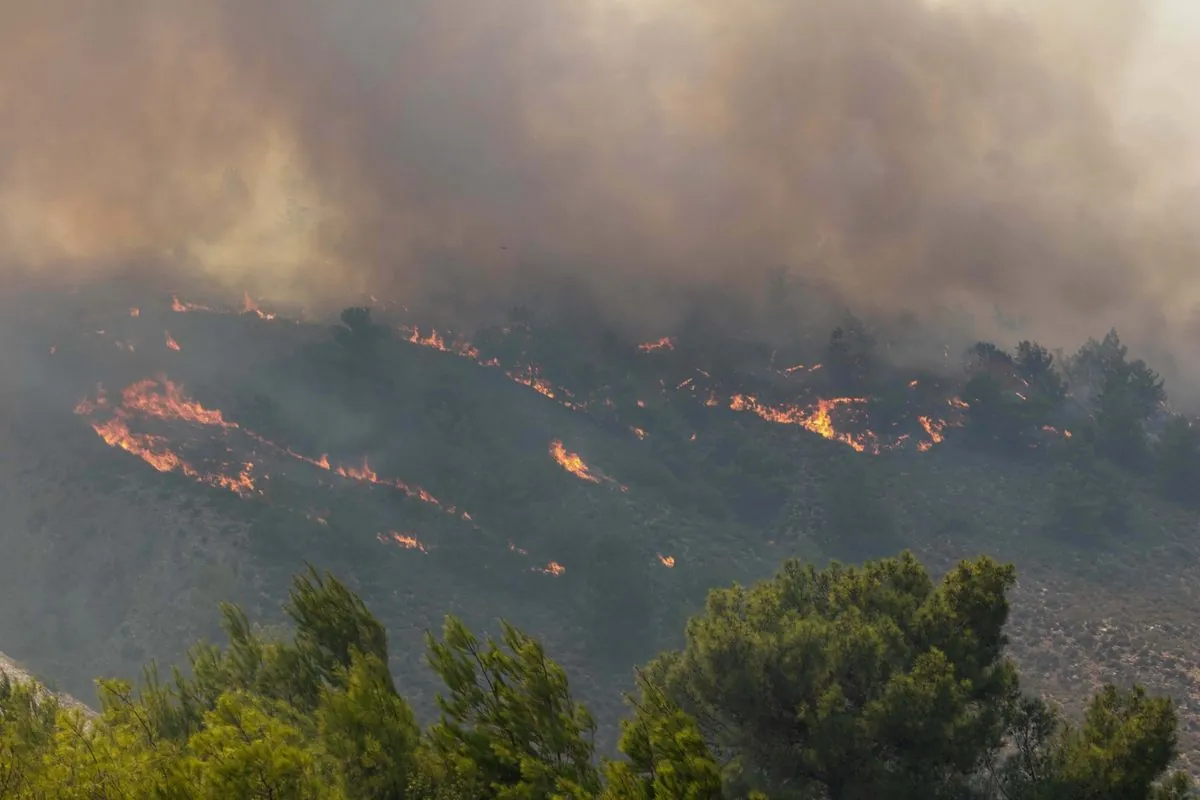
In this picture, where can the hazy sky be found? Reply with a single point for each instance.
(1037, 156)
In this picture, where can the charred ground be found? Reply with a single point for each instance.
(165, 452)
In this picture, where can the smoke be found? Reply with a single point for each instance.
(911, 155)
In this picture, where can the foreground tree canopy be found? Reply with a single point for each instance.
(872, 682)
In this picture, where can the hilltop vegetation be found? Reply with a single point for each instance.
(714, 460)
(838, 683)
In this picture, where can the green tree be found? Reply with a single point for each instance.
(508, 722)
(1123, 751)
(867, 682)
(667, 756)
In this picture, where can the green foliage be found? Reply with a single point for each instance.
(667, 756)
(508, 724)
(838, 683)
(1009, 397)
(1123, 395)
(870, 682)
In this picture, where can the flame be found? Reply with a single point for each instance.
(693, 438)
(405, 540)
(571, 462)
(913, 384)
(640, 433)
(959, 403)
(170, 403)
(171, 343)
(251, 307)
(934, 428)
(164, 400)
(1066, 434)
(667, 561)
(531, 379)
(552, 568)
(155, 452)
(665, 343)
(817, 418)
(182, 308)
(135, 312)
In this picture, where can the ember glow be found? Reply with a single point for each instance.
(171, 343)
(251, 307)
(181, 307)
(667, 561)
(405, 540)
(665, 343)
(553, 568)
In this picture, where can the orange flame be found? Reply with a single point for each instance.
(571, 462)
(181, 307)
(817, 419)
(135, 312)
(553, 568)
(405, 540)
(640, 433)
(171, 343)
(934, 428)
(667, 561)
(665, 343)
(251, 307)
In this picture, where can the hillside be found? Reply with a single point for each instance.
(161, 454)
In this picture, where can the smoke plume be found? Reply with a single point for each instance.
(908, 154)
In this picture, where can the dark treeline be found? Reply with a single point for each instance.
(871, 682)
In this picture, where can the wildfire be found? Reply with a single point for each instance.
(171, 343)
(1066, 434)
(640, 433)
(251, 307)
(665, 343)
(405, 540)
(552, 568)
(155, 452)
(164, 400)
(181, 307)
(571, 462)
(135, 312)
(435, 340)
(817, 419)
(933, 428)
(667, 561)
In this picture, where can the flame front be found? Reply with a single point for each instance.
(164, 400)
(667, 561)
(171, 343)
(571, 462)
(817, 419)
(405, 540)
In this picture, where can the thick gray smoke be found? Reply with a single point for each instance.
(913, 155)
